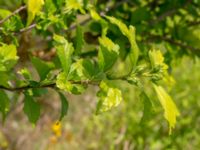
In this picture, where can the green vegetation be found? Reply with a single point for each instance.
(100, 74)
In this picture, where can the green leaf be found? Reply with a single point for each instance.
(63, 84)
(4, 13)
(50, 6)
(148, 108)
(83, 69)
(34, 7)
(109, 97)
(4, 78)
(8, 57)
(39, 92)
(31, 108)
(74, 5)
(64, 105)
(95, 15)
(13, 23)
(79, 39)
(4, 104)
(25, 73)
(108, 53)
(157, 59)
(130, 34)
(42, 67)
(64, 51)
(170, 109)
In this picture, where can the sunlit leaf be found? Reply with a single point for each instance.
(170, 109)
(74, 5)
(108, 53)
(109, 97)
(64, 51)
(25, 73)
(83, 69)
(94, 15)
(63, 84)
(8, 57)
(130, 34)
(157, 59)
(34, 7)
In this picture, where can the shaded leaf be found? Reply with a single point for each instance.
(64, 105)
(79, 39)
(4, 104)
(4, 77)
(42, 67)
(31, 108)
(148, 108)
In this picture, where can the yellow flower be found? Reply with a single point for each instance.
(56, 128)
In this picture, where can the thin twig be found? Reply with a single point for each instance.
(174, 42)
(28, 28)
(193, 23)
(170, 12)
(12, 14)
(85, 21)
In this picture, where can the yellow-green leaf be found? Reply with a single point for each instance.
(34, 7)
(63, 84)
(157, 59)
(170, 109)
(109, 97)
(130, 34)
(108, 53)
(64, 51)
(95, 15)
(8, 57)
(74, 5)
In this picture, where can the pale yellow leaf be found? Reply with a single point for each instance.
(34, 7)
(170, 109)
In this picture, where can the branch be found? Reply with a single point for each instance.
(170, 12)
(28, 28)
(50, 85)
(174, 42)
(85, 21)
(12, 14)
(53, 84)
(193, 23)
